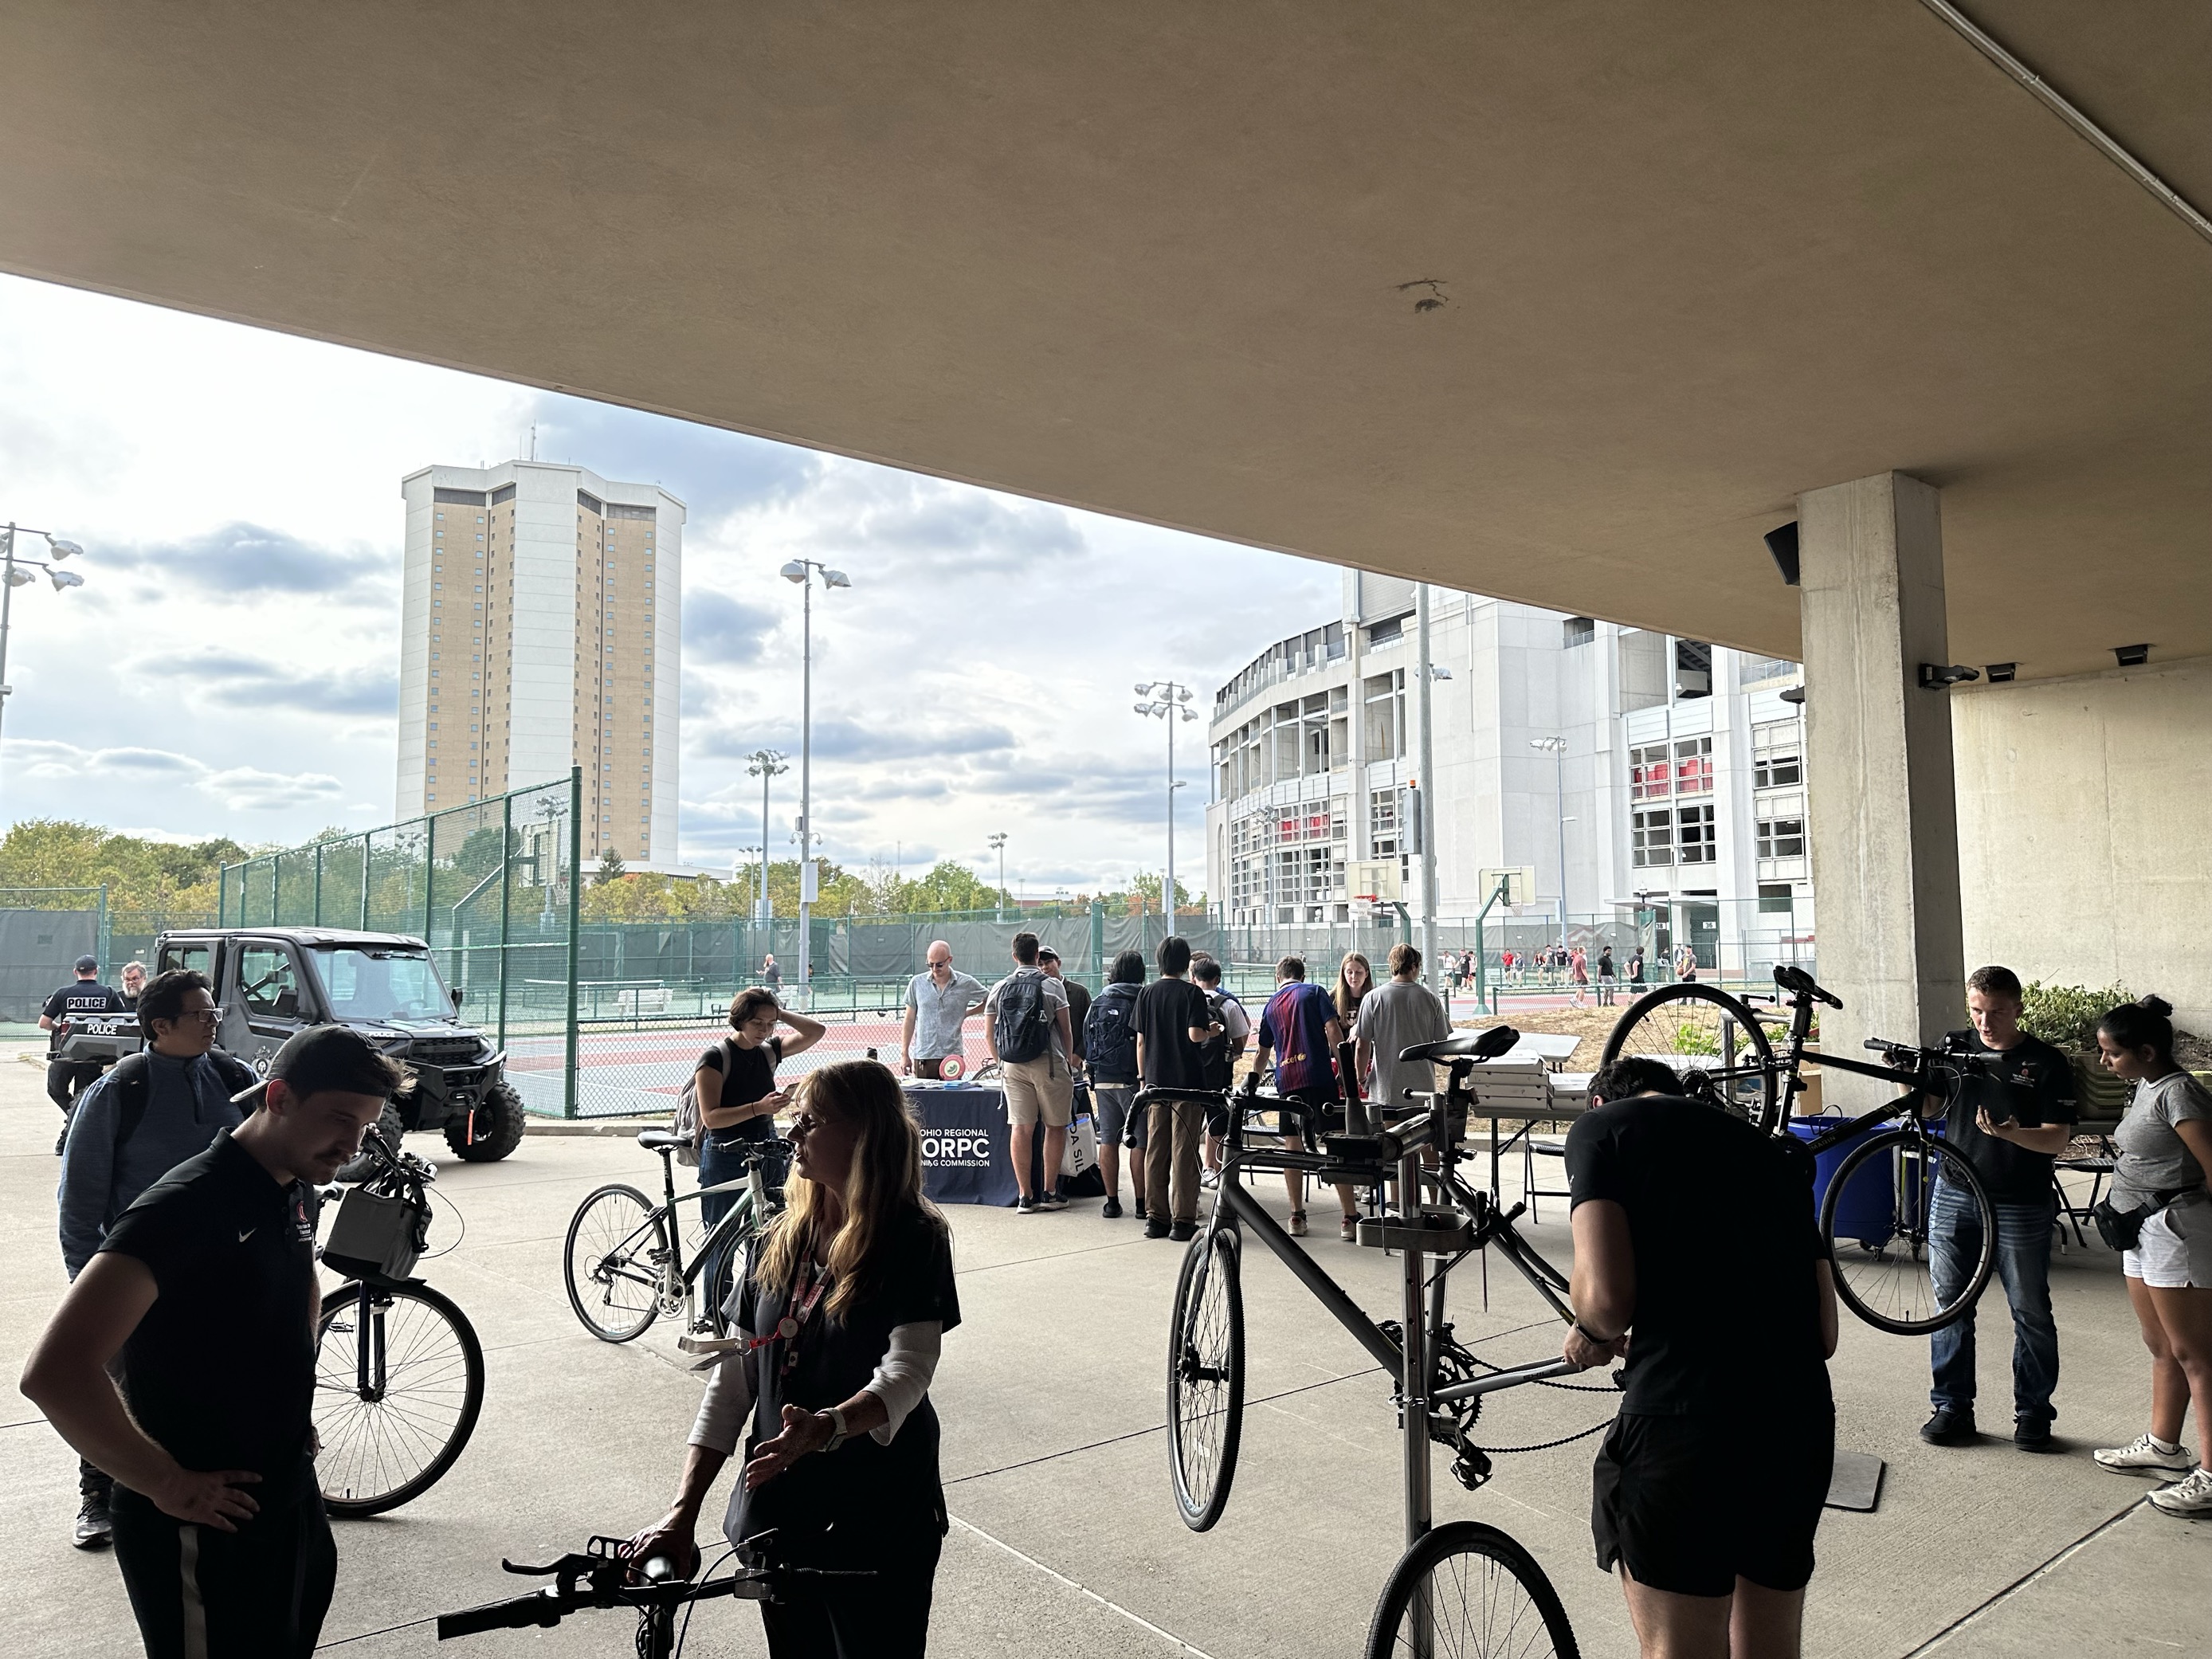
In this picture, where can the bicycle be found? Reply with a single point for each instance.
(1882, 1195)
(624, 1262)
(1460, 1587)
(399, 1374)
(601, 1576)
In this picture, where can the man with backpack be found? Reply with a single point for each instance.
(67, 1080)
(1109, 1047)
(151, 1112)
(1219, 1055)
(1025, 1026)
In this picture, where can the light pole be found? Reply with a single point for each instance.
(764, 764)
(1168, 700)
(1427, 674)
(61, 548)
(1558, 748)
(803, 572)
(999, 843)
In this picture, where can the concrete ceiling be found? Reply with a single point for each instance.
(1152, 259)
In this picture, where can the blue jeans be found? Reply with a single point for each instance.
(718, 1165)
(2023, 1264)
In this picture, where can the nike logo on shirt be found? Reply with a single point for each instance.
(247, 1234)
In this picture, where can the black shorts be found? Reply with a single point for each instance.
(263, 1589)
(1687, 1504)
(1322, 1110)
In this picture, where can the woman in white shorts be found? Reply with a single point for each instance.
(2164, 1147)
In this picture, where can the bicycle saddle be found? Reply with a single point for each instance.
(1798, 981)
(661, 1140)
(1464, 1045)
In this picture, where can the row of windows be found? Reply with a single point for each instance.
(1655, 771)
(1686, 835)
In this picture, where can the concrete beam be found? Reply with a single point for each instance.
(1882, 806)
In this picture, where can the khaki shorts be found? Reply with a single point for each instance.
(1039, 1091)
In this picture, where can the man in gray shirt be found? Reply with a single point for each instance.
(938, 1003)
(1393, 1019)
(150, 1114)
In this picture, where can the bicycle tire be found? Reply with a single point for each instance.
(614, 1238)
(1206, 1381)
(1482, 1596)
(379, 1452)
(1646, 1028)
(1900, 1297)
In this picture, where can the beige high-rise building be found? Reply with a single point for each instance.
(539, 632)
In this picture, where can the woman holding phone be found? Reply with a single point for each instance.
(738, 1097)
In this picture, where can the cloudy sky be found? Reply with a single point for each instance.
(230, 665)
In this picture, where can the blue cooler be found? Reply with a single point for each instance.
(1867, 1209)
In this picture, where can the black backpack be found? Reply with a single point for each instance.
(1109, 1035)
(1023, 1030)
(129, 1077)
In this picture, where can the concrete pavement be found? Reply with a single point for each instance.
(1065, 1540)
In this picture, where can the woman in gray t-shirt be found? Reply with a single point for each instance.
(2165, 1145)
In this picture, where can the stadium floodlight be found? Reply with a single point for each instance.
(1166, 699)
(802, 571)
(795, 571)
(20, 573)
(835, 579)
(19, 578)
(62, 579)
(63, 547)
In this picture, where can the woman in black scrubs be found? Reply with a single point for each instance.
(840, 1321)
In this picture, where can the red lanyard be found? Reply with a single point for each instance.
(808, 1290)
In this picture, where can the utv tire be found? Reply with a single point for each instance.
(363, 1163)
(500, 1136)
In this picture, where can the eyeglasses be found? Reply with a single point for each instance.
(204, 1015)
(806, 1123)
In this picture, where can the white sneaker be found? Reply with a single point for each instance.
(2142, 1455)
(2190, 1496)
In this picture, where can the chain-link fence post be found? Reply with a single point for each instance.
(575, 929)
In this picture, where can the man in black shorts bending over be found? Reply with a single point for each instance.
(205, 1287)
(1697, 1257)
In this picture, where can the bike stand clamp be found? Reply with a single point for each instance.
(1435, 1231)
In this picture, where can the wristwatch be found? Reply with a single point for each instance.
(838, 1435)
(1589, 1336)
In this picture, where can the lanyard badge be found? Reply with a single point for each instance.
(808, 1295)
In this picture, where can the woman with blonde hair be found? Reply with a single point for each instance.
(1355, 978)
(838, 1326)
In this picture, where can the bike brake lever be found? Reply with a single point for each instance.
(566, 1564)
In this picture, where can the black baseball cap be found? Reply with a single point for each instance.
(87, 964)
(328, 1057)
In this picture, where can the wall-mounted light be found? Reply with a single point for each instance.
(1792, 694)
(1942, 676)
(2000, 672)
(2132, 656)
(1782, 543)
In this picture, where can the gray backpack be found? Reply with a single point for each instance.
(688, 1122)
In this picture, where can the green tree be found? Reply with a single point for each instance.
(611, 868)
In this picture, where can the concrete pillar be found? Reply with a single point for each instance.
(1882, 810)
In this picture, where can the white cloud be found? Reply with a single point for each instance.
(230, 665)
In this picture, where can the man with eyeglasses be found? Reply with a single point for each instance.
(151, 1112)
(937, 1004)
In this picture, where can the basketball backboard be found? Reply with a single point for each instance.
(1376, 880)
(1520, 881)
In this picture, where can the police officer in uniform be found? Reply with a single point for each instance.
(67, 1080)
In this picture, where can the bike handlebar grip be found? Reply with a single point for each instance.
(518, 1615)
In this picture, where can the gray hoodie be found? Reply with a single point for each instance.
(186, 1102)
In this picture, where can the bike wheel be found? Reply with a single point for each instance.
(613, 1263)
(1881, 1201)
(1713, 1041)
(1206, 1380)
(399, 1379)
(1468, 1591)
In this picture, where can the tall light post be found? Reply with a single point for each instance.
(803, 571)
(764, 764)
(17, 576)
(1558, 748)
(1168, 700)
(1426, 674)
(998, 844)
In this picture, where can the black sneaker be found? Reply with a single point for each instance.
(1949, 1427)
(1026, 1205)
(1138, 1209)
(1111, 1210)
(1156, 1229)
(1184, 1231)
(94, 1530)
(1051, 1201)
(2031, 1436)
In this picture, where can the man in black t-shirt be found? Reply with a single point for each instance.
(67, 1080)
(205, 1289)
(1988, 1121)
(1705, 1530)
(1172, 1022)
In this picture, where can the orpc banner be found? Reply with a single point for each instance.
(964, 1153)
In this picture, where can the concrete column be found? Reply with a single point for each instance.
(1882, 804)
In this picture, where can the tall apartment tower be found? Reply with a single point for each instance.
(540, 621)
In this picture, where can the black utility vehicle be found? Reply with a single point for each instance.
(272, 982)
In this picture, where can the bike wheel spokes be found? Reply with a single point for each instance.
(614, 1263)
(1880, 1220)
(1696, 1028)
(399, 1383)
(1206, 1380)
(1466, 1591)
